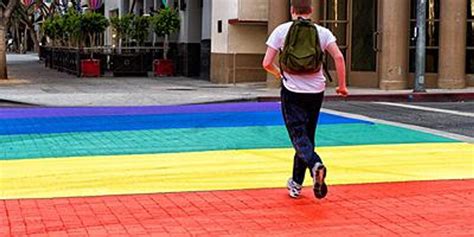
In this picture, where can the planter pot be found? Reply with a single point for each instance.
(163, 67)
(90, 68)
(128, 65)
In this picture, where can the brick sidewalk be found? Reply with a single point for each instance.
(439, 208)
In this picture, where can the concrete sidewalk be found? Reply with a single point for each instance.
(32, 84)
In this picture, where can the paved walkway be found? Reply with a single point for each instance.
(221, 170)
(441, 208)
(31, 83)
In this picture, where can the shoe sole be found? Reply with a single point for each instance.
(320, 188)
(292, 196)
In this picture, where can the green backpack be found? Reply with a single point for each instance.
(302, 53)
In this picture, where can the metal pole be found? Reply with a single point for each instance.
(420, 46)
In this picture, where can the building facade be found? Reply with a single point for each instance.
(224, 40)
(192, 43)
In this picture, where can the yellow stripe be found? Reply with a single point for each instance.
(228, 170)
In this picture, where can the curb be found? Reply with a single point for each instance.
(11, 103)
(410, 97)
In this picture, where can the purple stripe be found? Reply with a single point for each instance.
(11, 113)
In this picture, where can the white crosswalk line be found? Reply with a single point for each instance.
(445, 111)
(449, 135)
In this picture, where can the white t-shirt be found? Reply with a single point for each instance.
(310, 83)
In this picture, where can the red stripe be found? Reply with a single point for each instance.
(407, 209)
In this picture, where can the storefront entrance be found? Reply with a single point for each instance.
(354, 23)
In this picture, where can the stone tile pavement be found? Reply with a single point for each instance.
(31, 83)
(391, 209)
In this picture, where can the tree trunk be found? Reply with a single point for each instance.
(166, 47)
(132, 8)
(3, 54)
(17, 39)
(5, 14)
(35, 37)
(25, 41)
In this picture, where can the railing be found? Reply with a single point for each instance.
(117, 60)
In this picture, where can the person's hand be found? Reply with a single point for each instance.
(278, 77)
(342, 91)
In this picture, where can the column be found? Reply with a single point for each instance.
(278, 12)
(393, 60)
(206, 29)
(452, 45)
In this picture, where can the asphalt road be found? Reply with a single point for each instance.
(451, 117)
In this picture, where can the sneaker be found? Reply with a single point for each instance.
(294, 189)
(320, 188)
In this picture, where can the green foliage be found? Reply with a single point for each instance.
(123, 26)
(140, 28)
(72, 25)
(54, 27)
(166, 22)
(92, 23)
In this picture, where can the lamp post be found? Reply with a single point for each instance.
(420, 34)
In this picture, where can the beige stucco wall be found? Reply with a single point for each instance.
(239, 38)
(253, 10)
(247, 39)
(222, 10)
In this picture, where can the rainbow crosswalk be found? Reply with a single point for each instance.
(81, 152)
(221, 170)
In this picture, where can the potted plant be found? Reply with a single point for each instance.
(122, 28)
(164, 23)
(53, 28)
(131, 30)
(92, 24)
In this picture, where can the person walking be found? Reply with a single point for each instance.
(301, 45)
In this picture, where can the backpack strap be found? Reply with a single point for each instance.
(281, 68)
(326, 71)
(324, 64)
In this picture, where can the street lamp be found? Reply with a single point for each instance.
(420, 35)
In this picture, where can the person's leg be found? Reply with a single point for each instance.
(314, 107)
(299, 166)
(296, 119)
(318, 172)
(299, 169)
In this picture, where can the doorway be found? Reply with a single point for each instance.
(355, 24)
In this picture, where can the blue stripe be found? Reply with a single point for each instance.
(145, 122)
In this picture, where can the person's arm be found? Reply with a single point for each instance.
(268, 65)
(338, 58)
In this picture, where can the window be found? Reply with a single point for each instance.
(470, 38)
(432, 35)
(334, 16)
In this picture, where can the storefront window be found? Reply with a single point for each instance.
(470, 38)
(364, 26)
(432, 35)
(334, 16)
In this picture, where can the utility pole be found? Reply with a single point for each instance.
(420, 34)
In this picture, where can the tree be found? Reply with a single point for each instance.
(6, 9)
(123, 29)
(164, 23)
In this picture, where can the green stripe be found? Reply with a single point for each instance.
(202, 139)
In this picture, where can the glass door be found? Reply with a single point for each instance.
(354, 23)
